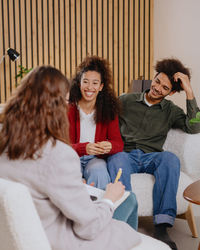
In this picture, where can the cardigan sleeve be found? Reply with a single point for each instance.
(114, 136)
(66, 191)
(74, 131)
(109, 131)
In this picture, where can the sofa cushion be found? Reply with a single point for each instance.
(142, 186)
(186, 147)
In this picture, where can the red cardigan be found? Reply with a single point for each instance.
(104, 132)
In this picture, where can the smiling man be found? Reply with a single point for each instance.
(144, 123)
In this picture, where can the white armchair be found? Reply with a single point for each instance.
(21, 228)
(186, 147)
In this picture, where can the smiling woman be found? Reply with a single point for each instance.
(90, 86)
(93, 116)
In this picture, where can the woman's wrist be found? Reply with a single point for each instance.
(106, 200)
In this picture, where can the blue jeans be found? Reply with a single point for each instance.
(95, 170)
(127, 211)
(165, 166)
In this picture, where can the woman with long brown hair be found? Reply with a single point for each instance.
(35, 151)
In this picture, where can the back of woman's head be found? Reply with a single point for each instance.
(35, 113)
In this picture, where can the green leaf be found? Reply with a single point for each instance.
(194, 120)
(198, 115)
(18, 75)
(23, 71)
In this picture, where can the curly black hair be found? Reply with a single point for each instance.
(107, 104)
(169, 67)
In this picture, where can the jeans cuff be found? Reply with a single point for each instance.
(163, 218)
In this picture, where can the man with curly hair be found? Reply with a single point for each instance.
(144, 123)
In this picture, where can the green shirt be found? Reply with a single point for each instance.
(145, 127)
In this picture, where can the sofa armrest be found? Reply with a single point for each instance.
(20, 225)
(187, 148)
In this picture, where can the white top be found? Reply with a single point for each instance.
(147, 103)
(87, 126)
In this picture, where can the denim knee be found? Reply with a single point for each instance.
(120, 160)
(96, 171)
(117, 156)
(117, 160)
(172, 160)
(96, 164)
(97, 167)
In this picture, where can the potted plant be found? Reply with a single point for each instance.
(22, 71)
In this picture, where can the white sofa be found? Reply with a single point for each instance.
(187, 148)
(21, 228)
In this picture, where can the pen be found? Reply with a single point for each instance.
(118, 175)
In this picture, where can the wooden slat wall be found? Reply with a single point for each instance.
(63, 32)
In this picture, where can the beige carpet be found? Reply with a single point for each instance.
(180, 232)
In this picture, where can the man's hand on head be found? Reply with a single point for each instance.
(185, 84)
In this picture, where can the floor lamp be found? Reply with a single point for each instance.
(12, 53)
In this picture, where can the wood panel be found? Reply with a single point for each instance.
(94, 28)
(34, 34)
(45, 32)
(39, 21)
(63, 32)
(136, 39)
(7, 88)
(51, 33)
(2, 75)
(116, 46)
(56, 35)
(12, 45)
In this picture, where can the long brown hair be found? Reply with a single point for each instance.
(35, 114)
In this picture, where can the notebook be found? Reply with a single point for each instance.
(97, 194)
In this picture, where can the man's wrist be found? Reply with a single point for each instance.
(190, 95)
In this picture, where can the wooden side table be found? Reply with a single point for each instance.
(192, 194)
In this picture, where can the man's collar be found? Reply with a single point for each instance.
(141, 99)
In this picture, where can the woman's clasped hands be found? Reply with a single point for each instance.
(98, 148)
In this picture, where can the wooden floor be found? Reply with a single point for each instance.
(180, 232)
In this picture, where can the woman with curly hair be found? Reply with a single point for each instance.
(35, 151)
(93, 116)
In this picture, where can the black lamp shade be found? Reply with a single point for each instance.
(13, 54)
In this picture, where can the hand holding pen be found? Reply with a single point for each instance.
(118, 175)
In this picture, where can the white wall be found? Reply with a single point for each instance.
(177, 34)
